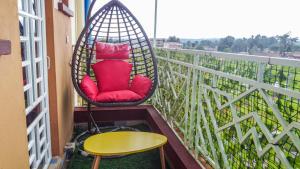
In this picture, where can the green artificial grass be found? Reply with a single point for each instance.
(145, 160)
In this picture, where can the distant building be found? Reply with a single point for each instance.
(159, 42)
(173, 45)
(295, 55)
(209, 48)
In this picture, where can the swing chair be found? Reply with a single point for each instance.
(113, 63)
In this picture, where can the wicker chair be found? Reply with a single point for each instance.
(113, 23)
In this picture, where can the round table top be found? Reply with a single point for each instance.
(123, 143)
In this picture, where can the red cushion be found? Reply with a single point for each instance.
(112, 75)
(141, 85)
(118, 96)
(89, 87)
(112, 51)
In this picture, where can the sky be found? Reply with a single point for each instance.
(205, 19)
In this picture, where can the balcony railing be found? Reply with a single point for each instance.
(233, 110)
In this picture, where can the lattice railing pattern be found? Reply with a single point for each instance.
(39, 142)
(236, 111)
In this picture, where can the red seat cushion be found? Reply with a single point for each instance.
(89, 87)
(141, 85)
(118, 96)
(112, 51)
(112, 75)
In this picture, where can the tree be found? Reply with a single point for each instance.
(296, 48)
(286, 44)
(254, 50)
(267, 42)
(173, 39)
(251, 43)
(256, 42)
(226, 43)
(199, 47)
(195, 44)
(188, 44)
(208, 43)
(240, 45)
(274, 47)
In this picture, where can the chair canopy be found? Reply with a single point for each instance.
(113, 23)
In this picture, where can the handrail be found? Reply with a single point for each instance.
(284, 91)
(238, 56)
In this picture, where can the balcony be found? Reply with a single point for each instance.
(228, 110)
(218, 110)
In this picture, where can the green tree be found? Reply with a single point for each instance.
(286, 44)
(254, 49)
(208, 43)
(196, 43)
(199, 47)
(240, 45)
(266, 42)
(226, 43)
(188, 44)
(173, 39)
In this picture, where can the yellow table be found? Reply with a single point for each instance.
(123, 143)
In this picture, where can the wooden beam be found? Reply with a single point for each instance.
(5, 47)
(108, 114)
(176, 153)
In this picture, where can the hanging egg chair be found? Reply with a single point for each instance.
(113, 62)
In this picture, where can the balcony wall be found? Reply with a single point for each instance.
(13, 136)
(59, 50)
(232, 110)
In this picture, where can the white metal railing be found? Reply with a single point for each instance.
(234, 110)
(35, 79)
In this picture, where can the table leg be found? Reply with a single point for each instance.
(96, 162)
(162, 157)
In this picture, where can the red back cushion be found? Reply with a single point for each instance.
(112, 75)
(89, 87)
(112, 51)
(141, 85)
